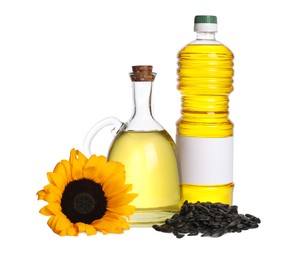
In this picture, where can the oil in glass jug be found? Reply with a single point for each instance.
(147, 152)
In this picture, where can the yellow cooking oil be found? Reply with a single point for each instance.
(204, 193)
(205, 81)
(151, 166)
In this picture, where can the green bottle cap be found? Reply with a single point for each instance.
(205, 19)
(205, 23)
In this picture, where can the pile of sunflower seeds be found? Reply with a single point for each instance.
(209, 219)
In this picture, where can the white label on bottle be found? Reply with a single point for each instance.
(205, 161)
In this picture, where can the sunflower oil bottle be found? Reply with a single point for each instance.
(148, 153)
(204, 131)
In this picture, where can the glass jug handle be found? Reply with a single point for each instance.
(115, 122)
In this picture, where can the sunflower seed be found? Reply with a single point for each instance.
(180, 235)
(193, 233)
(218, 233)
(209, 219)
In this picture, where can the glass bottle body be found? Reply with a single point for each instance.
(149, 155)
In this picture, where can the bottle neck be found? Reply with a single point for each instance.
(142, 95)
(142, 119)
(205, 36)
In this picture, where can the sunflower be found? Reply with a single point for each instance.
(87, 195)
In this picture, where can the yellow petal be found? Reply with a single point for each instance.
(62, 223)
(105, 225)
(62, 232)
(90, 230)
(61, 170)
(111, 191)
(76, 170)
(41, 194)
(45, 211)
(94, 167)
(118, 231)
(104, 232)
(51, 209)
(56, 180)
(76, 155)
(108, 226)
(59, 224)
(122, 221)
(125, 210)
(72, 230)
(102, 173)
(50, 223)
(109, 170)
(67, 166)
(81, 158)
(52, 198)
(115, 173)
(52, 189)
(119, 200)
(124, 224)
(115, 184)
(55, 208)
(72, 155)
(113, 167)
(81, 227)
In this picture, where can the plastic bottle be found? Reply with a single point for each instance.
(204, 131)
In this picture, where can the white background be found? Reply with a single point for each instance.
(64, 65)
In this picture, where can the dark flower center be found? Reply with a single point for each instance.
(83, 201)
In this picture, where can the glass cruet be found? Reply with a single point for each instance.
(148, 153)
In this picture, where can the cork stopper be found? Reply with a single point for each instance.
(142, 73)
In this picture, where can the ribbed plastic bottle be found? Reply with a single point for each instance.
(204, 131)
